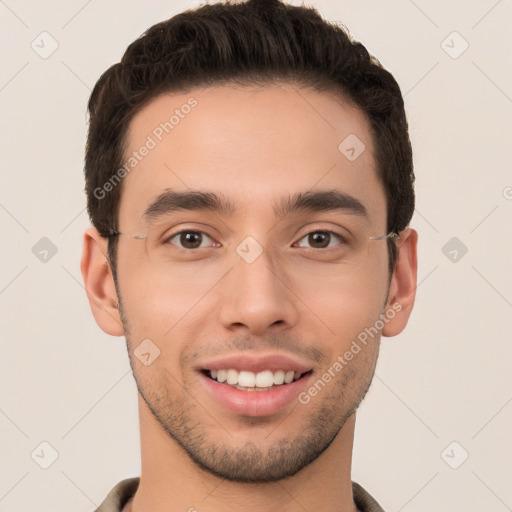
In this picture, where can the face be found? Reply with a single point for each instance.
(267, 288)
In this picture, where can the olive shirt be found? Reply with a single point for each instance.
(124, 490)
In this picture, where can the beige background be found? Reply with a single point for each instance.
(445, 379)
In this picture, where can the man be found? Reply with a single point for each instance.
(249, 178)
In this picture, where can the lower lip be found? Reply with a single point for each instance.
(256, 403)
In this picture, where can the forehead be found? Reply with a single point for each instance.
(253, 145)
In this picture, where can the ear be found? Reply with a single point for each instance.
(402, 289)
(99, 283)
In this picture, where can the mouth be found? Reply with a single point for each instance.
(255, 384)
(245, 380)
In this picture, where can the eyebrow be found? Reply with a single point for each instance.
(302, 202)
(192, 200)
(320, 201)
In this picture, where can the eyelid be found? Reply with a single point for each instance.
(342, 238)
(167, 238)
(198, 227)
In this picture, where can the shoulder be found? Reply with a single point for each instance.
(363, 500)
(119, 496)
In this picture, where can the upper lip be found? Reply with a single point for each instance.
(256, 363)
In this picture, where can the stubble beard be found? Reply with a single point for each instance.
(180, 418)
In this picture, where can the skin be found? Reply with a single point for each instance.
(255, 145)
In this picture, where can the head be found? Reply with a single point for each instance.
(249, 105)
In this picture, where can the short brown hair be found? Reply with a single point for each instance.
(256, 42)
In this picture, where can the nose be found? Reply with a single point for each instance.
(256, 297)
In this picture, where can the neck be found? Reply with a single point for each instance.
(170, 481)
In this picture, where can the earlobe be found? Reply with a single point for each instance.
(99, 283)
(402, 289)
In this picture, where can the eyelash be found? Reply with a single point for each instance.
(323, 231)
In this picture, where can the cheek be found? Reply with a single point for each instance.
(338, 313)
(354, 298)
(163, 309)
(154, 301)
(147, 314)
(343, 315)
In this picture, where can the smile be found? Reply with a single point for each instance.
(254, 384)
(250, 381)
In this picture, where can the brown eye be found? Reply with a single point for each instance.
(189, 239)
(320, 239)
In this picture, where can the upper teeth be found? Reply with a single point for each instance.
(265, 379)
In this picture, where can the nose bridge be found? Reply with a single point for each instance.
(256, 295)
